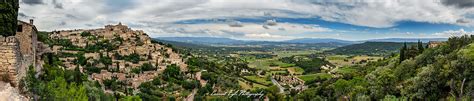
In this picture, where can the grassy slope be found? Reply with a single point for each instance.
(311, 77)
(257, 79)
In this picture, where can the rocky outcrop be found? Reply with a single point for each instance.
(9, 93)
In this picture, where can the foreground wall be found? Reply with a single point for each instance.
(10, 59)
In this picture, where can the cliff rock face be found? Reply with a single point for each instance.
(8, 17)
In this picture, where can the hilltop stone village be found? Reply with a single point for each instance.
(118, 52)
(128, 43)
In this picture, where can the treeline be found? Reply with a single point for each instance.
(369, 48)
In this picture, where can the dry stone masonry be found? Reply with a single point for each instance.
(18, 52)
(10, 58)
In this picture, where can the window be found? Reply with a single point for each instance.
(19, 28)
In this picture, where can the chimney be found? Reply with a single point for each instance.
(31, 21)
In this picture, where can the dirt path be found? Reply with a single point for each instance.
(203, 83)
(191, 96)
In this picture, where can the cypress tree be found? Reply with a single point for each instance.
(420, 47)
(402, 52)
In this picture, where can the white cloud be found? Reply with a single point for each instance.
(246, 31)
(372, 13)
(156, 17)
(451, 33)
(266, 36)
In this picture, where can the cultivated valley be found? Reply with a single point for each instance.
(235, 50)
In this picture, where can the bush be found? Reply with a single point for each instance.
(134, 58)
(144, 67)
(85, 34)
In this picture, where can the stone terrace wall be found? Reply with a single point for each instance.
(10, 59)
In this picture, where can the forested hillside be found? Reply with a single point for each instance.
(368, 48)
(443, 72)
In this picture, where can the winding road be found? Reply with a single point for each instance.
(282, 90)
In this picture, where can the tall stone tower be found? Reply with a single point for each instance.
(8, 17)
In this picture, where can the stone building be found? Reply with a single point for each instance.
(18, 52)
(27, 34)
(126, 42)
(432, 44)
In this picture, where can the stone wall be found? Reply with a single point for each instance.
(10, 59)
(26, 38)
(8, 17)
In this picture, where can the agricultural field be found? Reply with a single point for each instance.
(259, 80)
(279, 72)
(281, 54)
(312, 77)
(344, 70)
(267, 63)
(344, 60)
(296, 70)
(247, 85)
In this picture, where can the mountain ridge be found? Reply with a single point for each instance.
(222, 40)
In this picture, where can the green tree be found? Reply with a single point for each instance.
(428, 84)
(420, 47)
(381, 82)
(131, 98)
(31, 82)
(80, 59)
(60, 90)
(85, 34)
(342, 87)
(172, 71)
(402, 52)
(8, 17)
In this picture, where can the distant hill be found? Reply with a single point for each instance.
(369, 48)
(424, 40)
(228, 41)
(181, 44)
(248, 46)
(319, 40)
(201, 40)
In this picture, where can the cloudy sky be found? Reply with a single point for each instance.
(261, 19)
